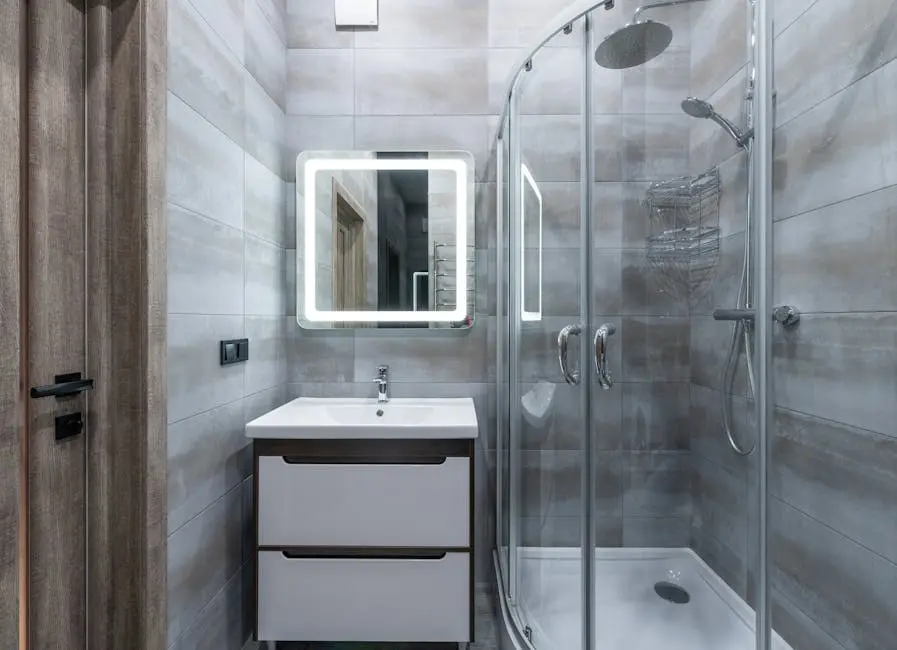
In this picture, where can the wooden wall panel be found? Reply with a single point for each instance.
(127, 473)
(11, 44)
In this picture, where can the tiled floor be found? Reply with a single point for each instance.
(628, 612)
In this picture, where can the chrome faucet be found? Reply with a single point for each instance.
(382, 381)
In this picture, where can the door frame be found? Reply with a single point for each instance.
(126, 241)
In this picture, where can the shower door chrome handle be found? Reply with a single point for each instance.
(605, 380)
(571, 377)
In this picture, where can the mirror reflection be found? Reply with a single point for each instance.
(386, 239)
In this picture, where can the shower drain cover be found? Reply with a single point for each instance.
(672, 593)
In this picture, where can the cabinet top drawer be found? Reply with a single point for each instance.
(419, 503)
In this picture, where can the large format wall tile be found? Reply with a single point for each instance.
(263, 128)
(840, 367)
(207, 456)
(428, 24)
(205, 265)
(390, 82)
(817, 256)
(313, 25)
(204, 168)
(840, 475)
(202, 556)
(202, 71)
(839, 149)
(226, 18)
(655, 348)
(197, 381)
(858, 39)
(846, 588)
(265, 278)
(320, 82)
(265, 53)
(265, 213)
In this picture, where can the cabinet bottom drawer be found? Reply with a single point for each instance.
(364, 599)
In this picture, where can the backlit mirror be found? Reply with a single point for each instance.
(385, 239)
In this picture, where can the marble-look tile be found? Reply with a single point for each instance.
(708, 438)
(655, 348)
(207, 456)
(323, 357)
(658, 485)
(552, 147)
(436, 356)
(848, 590)
(840, 367)
(313, 24)
(205, 167)
(857, 38)
(840, 475)
(716, 58)
(202, 556)
(320, 82)
(716, 283)
(265, 53)
(267, 365)
(711, 145)
(265, 213)
(221, 625)
(265, 278)
(275, 12)
(552, 87)
(263, 128)
(516, 23)
(226, 18)
(794, 626)
(205, 265)
(656, 416)
(197, 381)
(817, 257)
(651, 288)
(425, 133)
(720, 508)
(551, 484)
(710, 342)
(653, 147)
(429, 82)
(202, 71)
(428, 24)
(656, 532)
(839, 149)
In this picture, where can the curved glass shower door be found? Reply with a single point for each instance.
(541, 452)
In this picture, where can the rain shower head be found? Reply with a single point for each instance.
(633, 45)
(704, 110)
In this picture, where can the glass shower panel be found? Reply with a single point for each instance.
(546, 404)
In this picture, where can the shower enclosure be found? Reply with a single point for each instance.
(635, 316)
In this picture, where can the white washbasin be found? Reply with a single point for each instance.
(340, 418)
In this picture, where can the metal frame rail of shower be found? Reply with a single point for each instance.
(509, 299)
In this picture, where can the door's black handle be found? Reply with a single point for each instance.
(70, 384)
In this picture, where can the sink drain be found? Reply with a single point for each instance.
(672, 593)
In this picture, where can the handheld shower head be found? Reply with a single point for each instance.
(704, 110)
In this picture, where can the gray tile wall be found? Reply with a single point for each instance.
(227, 274)
(833, 452)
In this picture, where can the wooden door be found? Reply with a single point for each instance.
(54, 317)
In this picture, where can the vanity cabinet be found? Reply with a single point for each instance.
(364, 540)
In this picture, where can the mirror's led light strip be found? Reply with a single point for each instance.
(528, 177)
(460, 169)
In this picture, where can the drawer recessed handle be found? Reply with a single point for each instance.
(343, 460)
(364, 555)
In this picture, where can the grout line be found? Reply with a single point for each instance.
(837, 532)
